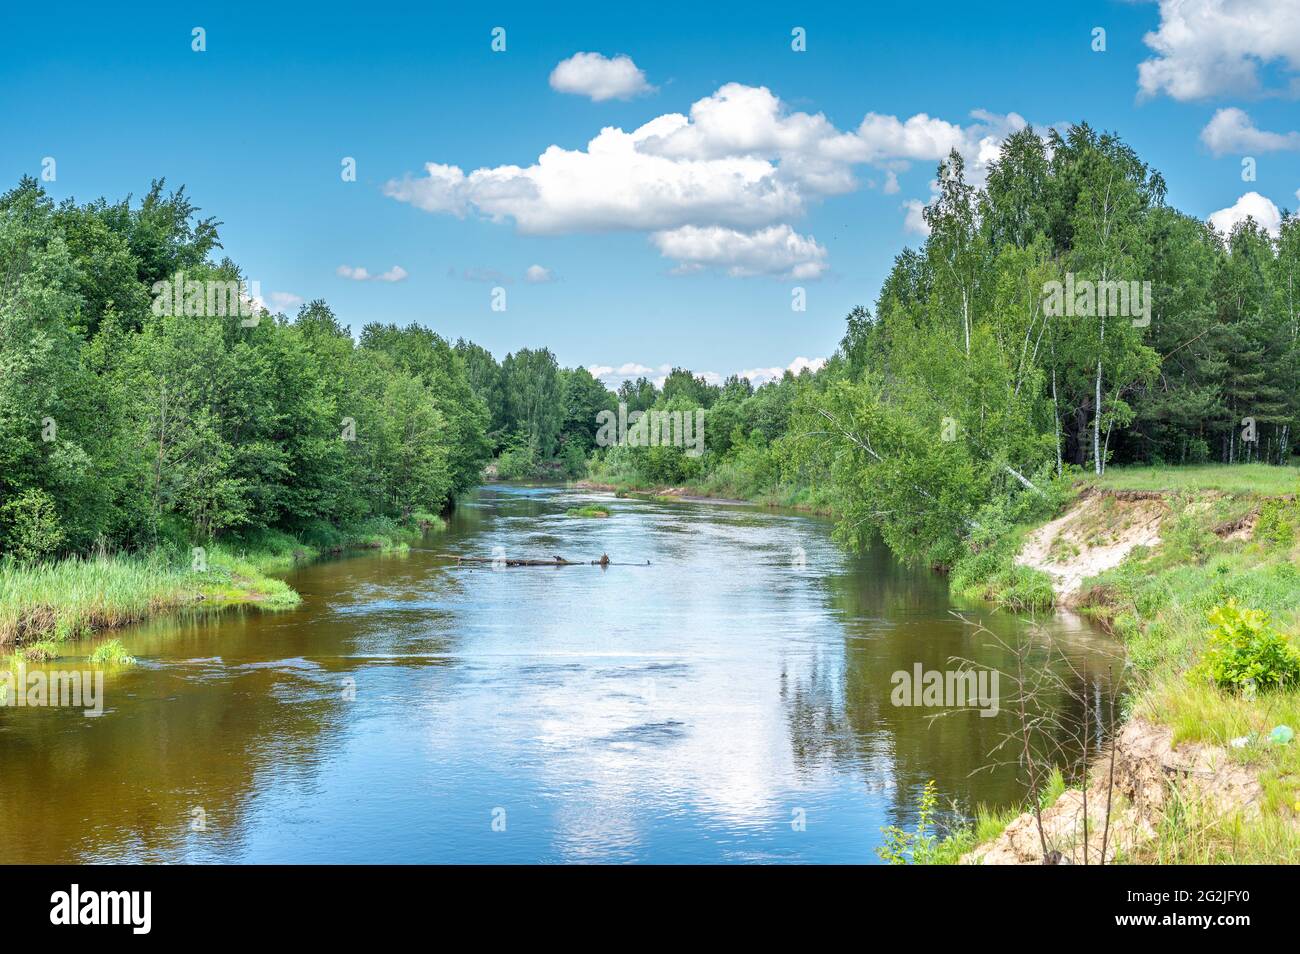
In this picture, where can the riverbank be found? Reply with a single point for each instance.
(1176, 563)
(79, 596)
(803, 499)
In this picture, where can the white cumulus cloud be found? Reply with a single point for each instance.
(599, 77)
(1209, 47)
(914, 217)
(1232, 131)
(740, 164)
(777, 250)
(1252, 205)
(759, 376)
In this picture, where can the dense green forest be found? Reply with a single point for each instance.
(950, 411)
(957, 409)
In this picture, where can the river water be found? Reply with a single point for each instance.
(728, 702)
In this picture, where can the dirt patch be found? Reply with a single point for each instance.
(1147, 770)
(1243, 528)
(1094, 535)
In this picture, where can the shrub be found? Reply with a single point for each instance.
(1277, 521)
(518, 462)
(42, 651)
(903, 847)
(573, 459)
(1245, 651)
(111, 653)
(30, 527)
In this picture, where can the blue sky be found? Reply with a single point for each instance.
(256, 127)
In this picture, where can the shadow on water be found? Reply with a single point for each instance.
(415, 710)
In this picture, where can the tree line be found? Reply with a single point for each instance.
(951, 409)
(126, 426)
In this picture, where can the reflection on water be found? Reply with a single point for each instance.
(411, 709)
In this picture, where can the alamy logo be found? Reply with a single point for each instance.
(208, 299)
(950, 689)
(1084, 298)
(41, 689)
(652, 429)
(134, 908)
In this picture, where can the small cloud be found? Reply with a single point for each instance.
(1251, 205)
(599, 78)
(537, 275)
(284, 302)
(891, 183)
(1232, 131)
(358, 274)
(778, 250)
(480, 273)
(614, 376)
(758, 376)
(913, 218)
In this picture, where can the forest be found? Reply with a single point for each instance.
(952, 408)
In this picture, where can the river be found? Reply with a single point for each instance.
(728, 702)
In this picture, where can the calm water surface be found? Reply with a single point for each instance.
(685, 711)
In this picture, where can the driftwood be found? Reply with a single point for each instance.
(554, 561)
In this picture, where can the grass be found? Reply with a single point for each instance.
(993, 575)
(589, 511)
(42, 651)
(1158, 601)
(274, 551)
(987, 824)
(720, 485)
(74, 597)
(48, 603)
(111, 653)
(1253, 479)
(1190, 834)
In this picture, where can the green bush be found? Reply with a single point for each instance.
(111, 653)
(1245, 651)
(903, 847)
(518, 462)
(573, 459)
(30, 528)
(1277, 521)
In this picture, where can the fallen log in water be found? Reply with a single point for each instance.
(554, 561)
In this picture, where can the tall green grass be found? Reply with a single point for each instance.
(1158, 601)
(1258, 479)
(73, 597)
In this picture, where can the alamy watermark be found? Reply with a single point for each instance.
(41, 689)
(209, 298)
(1084, 298)
(947, 689)
(653, 428)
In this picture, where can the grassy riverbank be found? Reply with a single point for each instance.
(76, 596)
(1213, 537)
(726, 483)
